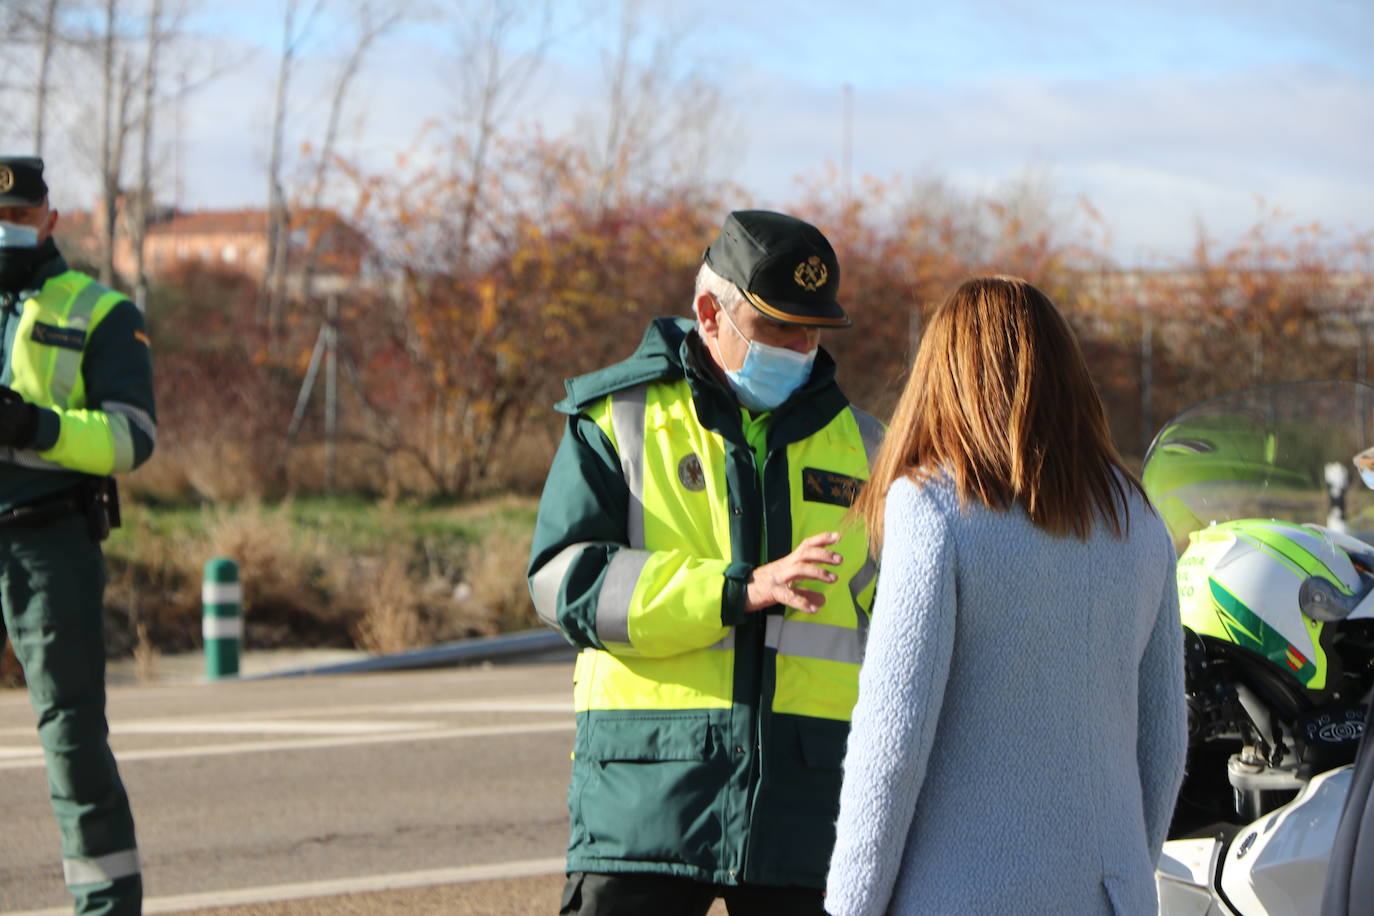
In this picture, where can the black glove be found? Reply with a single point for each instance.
(18, 419)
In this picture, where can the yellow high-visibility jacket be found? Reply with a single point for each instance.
(709, 741)
(79, 351)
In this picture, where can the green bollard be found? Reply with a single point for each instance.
(222, 626)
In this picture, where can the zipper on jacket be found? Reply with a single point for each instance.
(758, 456)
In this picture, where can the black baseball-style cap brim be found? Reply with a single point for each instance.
(825, 315)
(784, 266)
(21, 181)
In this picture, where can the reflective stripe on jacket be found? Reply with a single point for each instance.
(709, 741)
(106, 429)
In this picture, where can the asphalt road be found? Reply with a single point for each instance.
(423, 792)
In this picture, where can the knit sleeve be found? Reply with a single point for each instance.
(1162, 745)
(901, 687)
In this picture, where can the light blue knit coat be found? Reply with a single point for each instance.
(1019, 738)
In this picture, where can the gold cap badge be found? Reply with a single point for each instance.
(811, 274)
(6, 178)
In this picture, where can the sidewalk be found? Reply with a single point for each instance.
(189, 667)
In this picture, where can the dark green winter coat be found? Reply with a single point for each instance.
(709, 741)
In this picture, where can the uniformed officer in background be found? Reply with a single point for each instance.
(76, 405)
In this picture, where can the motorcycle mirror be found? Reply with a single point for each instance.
(1364, 463)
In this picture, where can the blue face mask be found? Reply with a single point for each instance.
(19, 255)
(17, 235)
(769, 375)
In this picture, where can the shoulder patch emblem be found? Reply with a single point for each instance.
(691, 474)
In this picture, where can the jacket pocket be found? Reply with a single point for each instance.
(651, 790)
(644, 738)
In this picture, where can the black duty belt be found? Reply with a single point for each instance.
(40, 513)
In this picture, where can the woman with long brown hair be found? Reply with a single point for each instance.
(1019, 737)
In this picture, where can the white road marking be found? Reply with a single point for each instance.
(11, 752)
(559, 703)
(252, 747)
(262, 726)
(278, 893)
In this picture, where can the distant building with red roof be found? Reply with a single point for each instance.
(234, 240)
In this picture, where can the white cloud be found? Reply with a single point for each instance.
(1158, 140)
(1155, 156)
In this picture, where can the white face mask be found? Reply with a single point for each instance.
(769, 375)
(17, 235)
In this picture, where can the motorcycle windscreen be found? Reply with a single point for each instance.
(1280, 452)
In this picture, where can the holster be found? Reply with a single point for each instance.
(100, 498)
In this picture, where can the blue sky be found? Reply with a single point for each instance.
(1165, 115)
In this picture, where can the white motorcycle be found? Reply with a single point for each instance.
(1276, 592)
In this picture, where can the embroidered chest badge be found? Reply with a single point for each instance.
(53, 336)
(690, 473)
(820, 486)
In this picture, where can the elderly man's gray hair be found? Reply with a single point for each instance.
(726, 293)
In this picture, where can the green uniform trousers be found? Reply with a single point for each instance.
(52, 579)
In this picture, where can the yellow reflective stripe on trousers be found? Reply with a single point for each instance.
(101, 869)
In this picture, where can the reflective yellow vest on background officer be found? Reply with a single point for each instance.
(690, 538)
(76, 405)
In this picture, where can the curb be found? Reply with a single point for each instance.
(526, 646)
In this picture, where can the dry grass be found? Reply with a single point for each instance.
(146, 655)
(382, 577)
(495, 576)
(392, 618)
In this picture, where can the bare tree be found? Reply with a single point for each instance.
(492, 79)
(40, 89)
(36, 25)
(660, 115)
(116, 123)
(273, 293)
(372, 20)
(143, 201)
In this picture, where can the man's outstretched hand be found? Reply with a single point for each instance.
(776, 582)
